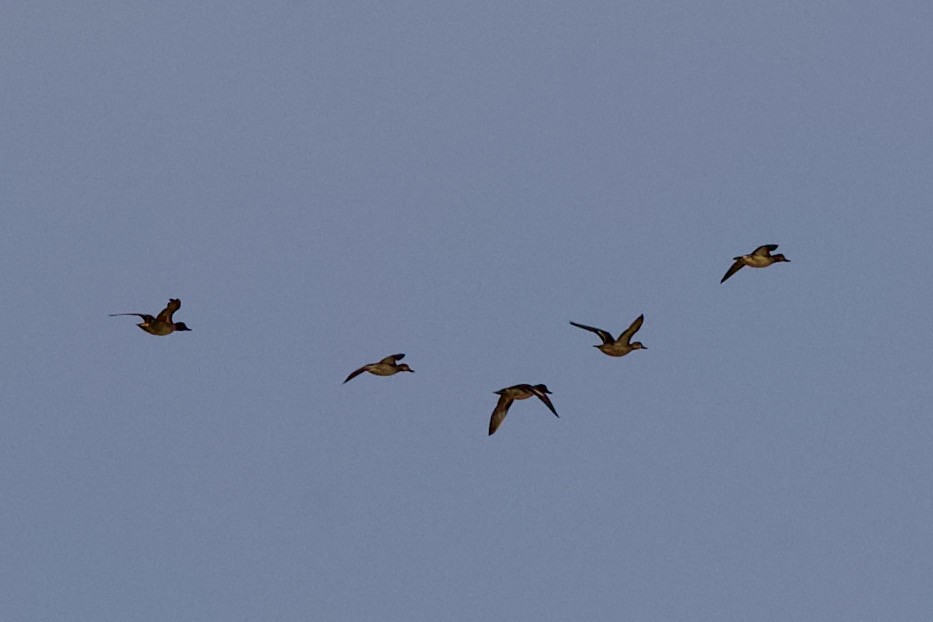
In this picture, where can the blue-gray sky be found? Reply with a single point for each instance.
(326, 183)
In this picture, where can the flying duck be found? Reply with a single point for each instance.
(517, 392)
(761, 257)
(617, 347)
(386, 367)
(162, 324)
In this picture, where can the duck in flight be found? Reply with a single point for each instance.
(761, 257)
(386, 367)
(161, 324)
(517, 392)
(617, 347)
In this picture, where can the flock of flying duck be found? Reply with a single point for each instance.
(761, 257)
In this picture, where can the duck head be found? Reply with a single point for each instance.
(181, 326)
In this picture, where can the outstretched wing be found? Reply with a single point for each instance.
(145, 316)
(604, 335)
(355, 374)
(732, 270)
(498, 414)
(629, 332)
(392, 359)
(544, 398)
(765, 249)
(166, 314)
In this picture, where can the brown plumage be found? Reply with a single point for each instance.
(617, 347)
(517, 392)
(386, 367)
(162, 324)
(761, 257)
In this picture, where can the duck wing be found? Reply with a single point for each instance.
(765, 250)
(544, 398)
(392, 359)
(603, 334)
(145, 316)
(499, 413)
(355, 374)
(733, 269)
(629, 332)
(166, 314)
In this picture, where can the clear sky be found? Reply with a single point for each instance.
(326, 183)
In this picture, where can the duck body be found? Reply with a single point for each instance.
(162, 324)
(155, 327)
(517, 392)
(761, 257)
(386, 367)
(617, 347)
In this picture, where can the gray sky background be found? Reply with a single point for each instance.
(326, 183)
